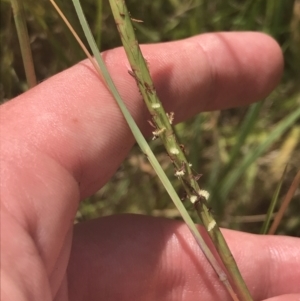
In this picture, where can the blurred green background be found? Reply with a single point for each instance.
(240, 152)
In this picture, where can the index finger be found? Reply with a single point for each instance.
(74, 108)
(65, 138)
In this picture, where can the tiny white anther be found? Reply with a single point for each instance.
(211, 225)
(179, 173)
(204, 193)
(156, 133)
(190, 164)
(174, 151)
(171, 117)
(193, 199)
(155, 105)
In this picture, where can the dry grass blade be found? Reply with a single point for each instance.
(76, 37)
(295, 184)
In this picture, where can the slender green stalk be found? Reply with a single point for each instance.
(144, 145)
(265, 226)
(19, 17)
(164, 130)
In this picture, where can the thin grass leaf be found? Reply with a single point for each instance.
(99, 5)
(274, 201)
(19, 17)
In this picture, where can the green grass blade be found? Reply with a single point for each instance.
(98, 22)
(274, 201)
(19, 16)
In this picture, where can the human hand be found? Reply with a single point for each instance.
(62, 140)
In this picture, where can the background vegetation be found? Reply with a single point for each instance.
(240, 152)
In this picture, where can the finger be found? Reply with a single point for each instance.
(121, 257)
(73, 118)
(63, 139)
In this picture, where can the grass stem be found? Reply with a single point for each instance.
(145, 147)
(164, 130)
(20, 21)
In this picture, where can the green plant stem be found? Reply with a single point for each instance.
(19, 17)
(145, 147)
(164, 130)
(278, 217)
(274, 201)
